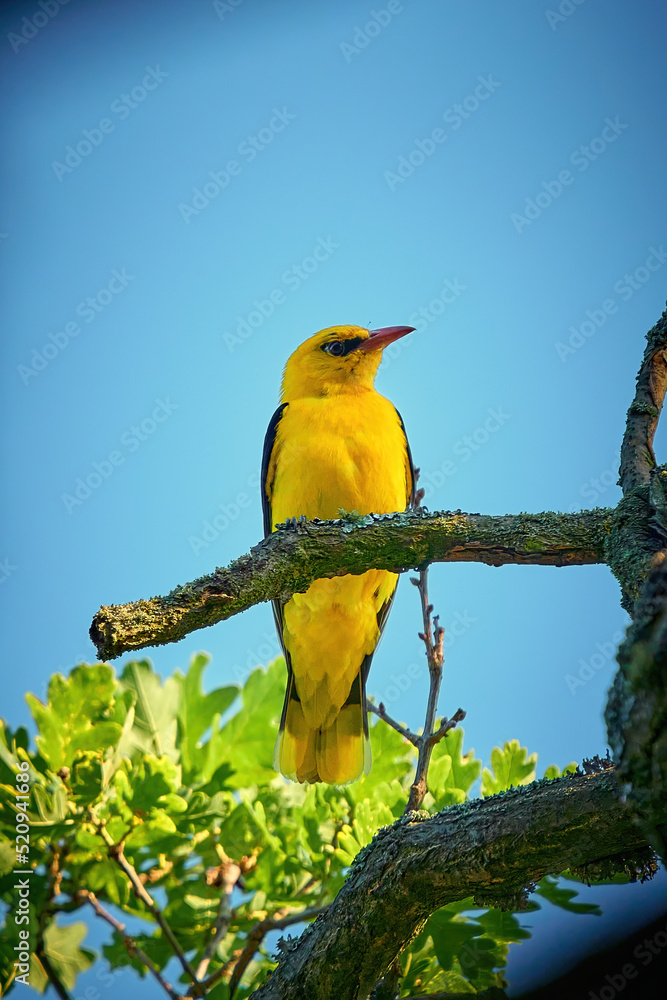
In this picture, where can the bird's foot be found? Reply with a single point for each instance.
(295, 523)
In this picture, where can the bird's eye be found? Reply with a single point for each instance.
(335, 347)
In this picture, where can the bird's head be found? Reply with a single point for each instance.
(337, 360)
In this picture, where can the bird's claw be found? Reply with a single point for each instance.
(295, 523)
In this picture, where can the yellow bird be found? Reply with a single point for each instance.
(334, 442)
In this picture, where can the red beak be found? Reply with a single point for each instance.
(379, 339)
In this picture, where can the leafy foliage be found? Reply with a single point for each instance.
(162, 774)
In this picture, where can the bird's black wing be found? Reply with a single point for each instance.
(413, 479)
(269, 441)
(267, 488)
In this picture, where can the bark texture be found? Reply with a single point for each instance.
(636, 713)
(290, 559)
(493, 850)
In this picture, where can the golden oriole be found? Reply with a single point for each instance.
(334, 442)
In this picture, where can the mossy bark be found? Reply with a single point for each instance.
(636, 713)
(493, 850)
(290, 559)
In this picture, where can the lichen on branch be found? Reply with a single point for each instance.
(290, 559)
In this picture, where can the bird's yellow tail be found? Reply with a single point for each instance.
(336, 754)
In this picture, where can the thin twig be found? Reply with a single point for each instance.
(53, 890)
(447, 724)
(433, 639)
(307, 886)
(117, 854)
(381, 712)
(257, 935)
(129, 942)
(230, 873)
(52, 975)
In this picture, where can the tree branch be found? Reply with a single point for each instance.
(259, 932)
(432, 637)
(290, 559)
(129, 942)
(637, 455)
(116, 853)
(419, 864)
(227, 875)
(381, 713)
(53, 890)
(636, 713)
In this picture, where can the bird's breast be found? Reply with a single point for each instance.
(346, 451)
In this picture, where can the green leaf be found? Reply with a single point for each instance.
(8, 857)
(450, 933)
(195, 714)
(393, 757)
(105, 879)
(451, 773)
(250, 735)
(155, 708)
(503, 926)
(219, 992)
(10, 744)
(51, 805)
(369, 817)
(148, 789)
(510, 767)
(422, 971)
(76, 715)
(553, 771)
(62, 948)
(550, 890)
(474, 946)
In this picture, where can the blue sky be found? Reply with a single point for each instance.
(193, 189)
